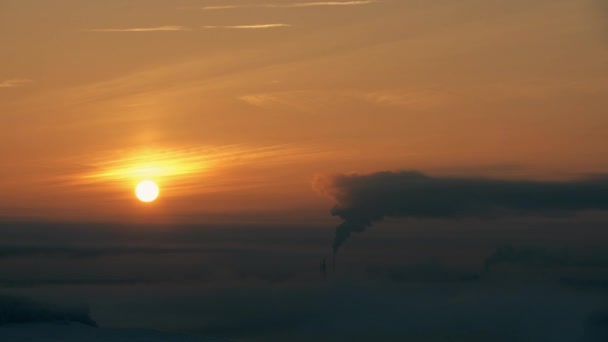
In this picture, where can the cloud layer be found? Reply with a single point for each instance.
(14, 309)
(362, 200)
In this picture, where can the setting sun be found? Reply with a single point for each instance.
(146, 191)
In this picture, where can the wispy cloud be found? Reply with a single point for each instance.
(257, 26)
(293, 5)
(210, 8)
(144, 29)
(182, 28)
(323, 3)
(16, 82)
(410, 99)
(180, 168)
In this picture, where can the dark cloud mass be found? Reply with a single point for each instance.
(541, 258)
(362, 200)
(16, 309)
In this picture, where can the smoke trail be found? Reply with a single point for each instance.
(362, 200)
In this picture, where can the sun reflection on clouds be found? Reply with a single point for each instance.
(177, 168)
(134, 165)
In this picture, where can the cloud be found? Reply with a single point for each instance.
(362, 200)
(519, 264)
(210, 8)
(430, 272)
(307, 100)
(144, 29)
(8, 252)
(588, 282)
(179, 168)
(182, 28)
(346, 312)
(407, 99)
(321, 4)
(259, 100)
(16, 82)
(291, 5)
(15, 309)
(580, 272)
(541, 258)
(257, 26)
(30, 283)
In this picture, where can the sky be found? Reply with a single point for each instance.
(234, 107)
(444, 159)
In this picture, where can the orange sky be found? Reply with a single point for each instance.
(234, 109)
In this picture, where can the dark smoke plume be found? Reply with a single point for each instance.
(362, 200)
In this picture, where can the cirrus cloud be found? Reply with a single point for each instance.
(250, 27)
(15, 82)
(167, 28)
(292, 5)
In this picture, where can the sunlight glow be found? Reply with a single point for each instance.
(179, 170)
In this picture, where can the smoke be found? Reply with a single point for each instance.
(362, 200)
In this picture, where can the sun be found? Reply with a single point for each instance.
(146, 191)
